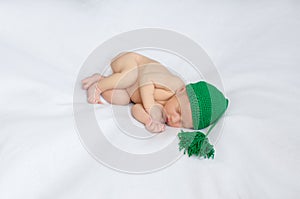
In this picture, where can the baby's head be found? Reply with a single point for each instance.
(195, 106)
(177, 111)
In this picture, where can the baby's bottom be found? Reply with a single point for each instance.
(113, 96)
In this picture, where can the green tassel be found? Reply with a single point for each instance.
(196, 143)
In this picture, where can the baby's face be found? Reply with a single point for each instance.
(177, 111)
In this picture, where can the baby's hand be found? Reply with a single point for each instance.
(155, 126)
(93, 94)
(156, 113)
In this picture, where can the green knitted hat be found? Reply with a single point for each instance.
(208, 104)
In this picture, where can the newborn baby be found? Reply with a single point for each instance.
(160, 97)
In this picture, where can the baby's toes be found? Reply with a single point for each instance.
(86, 80)
(97, 76)
(91, 101)
(86, 86)
(163, 128)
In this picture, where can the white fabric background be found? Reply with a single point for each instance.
(255, 46)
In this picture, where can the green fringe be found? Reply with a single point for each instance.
(196, 143)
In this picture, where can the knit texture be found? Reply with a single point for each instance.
(207, 104)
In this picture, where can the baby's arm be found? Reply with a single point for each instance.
(147, 95)
(125, 73)
(150, 106)
(140, 114)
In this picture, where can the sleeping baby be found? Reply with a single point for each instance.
(160, 98)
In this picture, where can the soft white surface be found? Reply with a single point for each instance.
(254, 45)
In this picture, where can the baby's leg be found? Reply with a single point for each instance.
(116, 96)
(125, 74)
(87, 82)
(113, 96)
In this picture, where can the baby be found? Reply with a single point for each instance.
(159, 96)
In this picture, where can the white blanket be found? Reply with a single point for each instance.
(255, 47)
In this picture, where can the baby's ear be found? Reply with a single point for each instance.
(181, 90)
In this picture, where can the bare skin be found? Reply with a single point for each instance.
(160, 97)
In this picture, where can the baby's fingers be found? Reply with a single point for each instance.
(158, 127)
(87, 85)
(151, 127)
(163, 128)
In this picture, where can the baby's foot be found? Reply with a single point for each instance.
(87, 82)
(93, 94)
